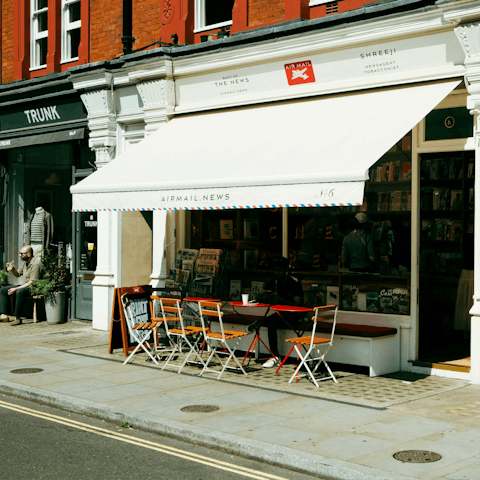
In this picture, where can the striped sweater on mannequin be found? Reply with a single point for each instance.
(40, 228)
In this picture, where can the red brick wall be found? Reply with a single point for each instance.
(265, 11)
(343, 6)
(7, 41)
(106, 27)
(146, 22)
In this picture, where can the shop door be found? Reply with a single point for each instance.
(446, 256)
(84, 256)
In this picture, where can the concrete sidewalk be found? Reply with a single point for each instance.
(327, 432)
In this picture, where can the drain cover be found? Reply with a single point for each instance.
(27, 370)
(200, 408)
(417, 456)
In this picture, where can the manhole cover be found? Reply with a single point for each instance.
(27, 370)
(200, 408)
(417, 456)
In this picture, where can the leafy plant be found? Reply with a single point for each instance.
(3, 278)
(55, 274)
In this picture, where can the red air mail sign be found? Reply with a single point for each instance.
(299, 72)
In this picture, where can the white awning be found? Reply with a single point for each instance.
(302, 153)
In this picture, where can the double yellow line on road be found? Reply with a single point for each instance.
(176, 452)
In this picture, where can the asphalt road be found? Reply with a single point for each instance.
(39, 442)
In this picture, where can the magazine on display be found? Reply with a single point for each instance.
(235, 290)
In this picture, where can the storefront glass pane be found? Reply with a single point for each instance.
(359, 257)
(88, 241)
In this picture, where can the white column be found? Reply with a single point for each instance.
(159, 254)
(103, 140)
(108, 272)
(158, 97)
(469, 37)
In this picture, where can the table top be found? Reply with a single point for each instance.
(290, 308)
(241, 304)
(200, 299)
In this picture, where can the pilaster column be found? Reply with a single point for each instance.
(108, 273)
(159, 254)
(103, 139)
(158, 98)
(102, 124)
(469, 37)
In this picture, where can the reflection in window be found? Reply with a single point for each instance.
(213, 13)
(71, 28)
(88, 241)
(39, 32)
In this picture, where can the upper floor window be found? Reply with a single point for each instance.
(71, 23)
(39, 32)
(210, 14)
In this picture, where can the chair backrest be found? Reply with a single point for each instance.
(170, 305)
(130, 318)
(323, 314)
(210, 309)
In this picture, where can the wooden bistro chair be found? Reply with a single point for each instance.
(315, 348)
(218, 342)
(180, 343)
(140, 332)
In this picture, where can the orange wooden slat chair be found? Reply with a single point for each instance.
(220, 339)
(140, 331)
(316, 347)
(181, 339)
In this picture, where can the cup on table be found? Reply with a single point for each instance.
(245, 298)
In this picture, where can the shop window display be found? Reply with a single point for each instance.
(315, 239)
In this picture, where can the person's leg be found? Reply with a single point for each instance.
(20, 295)
(4, 299)
(272, 323)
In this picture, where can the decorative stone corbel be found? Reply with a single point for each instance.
(158, 98)
(102, 123)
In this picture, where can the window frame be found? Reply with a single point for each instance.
(67, 27)
(35, 36)
(200, 19)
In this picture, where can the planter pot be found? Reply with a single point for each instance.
(55, 307)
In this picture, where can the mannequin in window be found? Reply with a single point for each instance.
(39, 232)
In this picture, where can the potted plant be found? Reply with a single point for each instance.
(3, 278)
(53, 286)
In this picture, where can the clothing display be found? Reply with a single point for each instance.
(39, 231)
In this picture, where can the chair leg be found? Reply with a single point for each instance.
(302, 362)
(193, 349)
(232, 355)
(141, 345)
(212, 353)
(176, 348)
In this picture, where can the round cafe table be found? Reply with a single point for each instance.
(254, 309)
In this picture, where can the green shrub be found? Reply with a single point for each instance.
(3, 278)
(54, 276)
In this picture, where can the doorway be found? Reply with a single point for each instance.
(84, 256)
(446, 257)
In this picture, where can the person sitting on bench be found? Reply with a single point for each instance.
(283, 289)
(31, 270)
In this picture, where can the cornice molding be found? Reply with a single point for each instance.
(88, 81)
